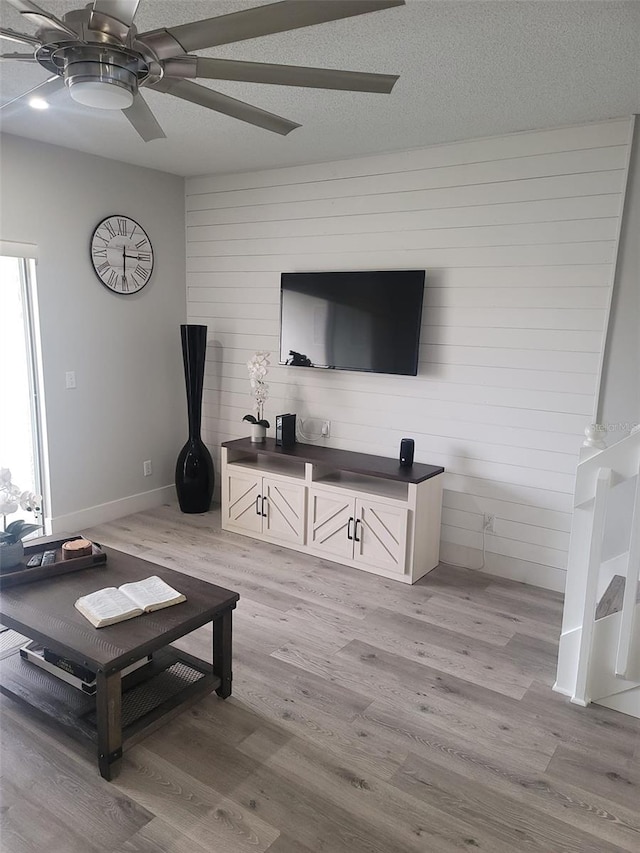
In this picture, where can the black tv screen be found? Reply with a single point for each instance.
(352, 320)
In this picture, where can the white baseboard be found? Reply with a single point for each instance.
(100, 514)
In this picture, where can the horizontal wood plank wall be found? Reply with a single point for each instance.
(518, 236)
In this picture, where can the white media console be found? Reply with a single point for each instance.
(359, 510)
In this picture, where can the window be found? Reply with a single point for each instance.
(20, 424)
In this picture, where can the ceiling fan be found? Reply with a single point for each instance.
(98, 54)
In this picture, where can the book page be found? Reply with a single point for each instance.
(107, 606)
(152, 593)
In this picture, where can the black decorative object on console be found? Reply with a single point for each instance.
(407, 446)
(195, 476)
(285, 430)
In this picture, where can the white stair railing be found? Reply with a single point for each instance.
(590, 587)
(629, 610)
(596, 476)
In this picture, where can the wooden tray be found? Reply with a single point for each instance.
(21, 574)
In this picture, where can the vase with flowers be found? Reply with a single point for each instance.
(258, 365)
(11, 535)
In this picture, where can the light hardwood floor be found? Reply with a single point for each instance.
(366, 716)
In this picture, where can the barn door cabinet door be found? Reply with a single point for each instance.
(380, 535)
(330, 524)
(268, 507)
(370, 533)
(241, 503)
(283, 510)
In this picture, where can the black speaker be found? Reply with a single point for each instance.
(407, 446)
(285, 430)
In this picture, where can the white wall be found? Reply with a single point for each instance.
(129, 404)
(517, 234)
(620, 394)
(619, 404)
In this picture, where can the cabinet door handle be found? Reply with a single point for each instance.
(355, 530)
(349, 523)
(258, 504)
(263, 513)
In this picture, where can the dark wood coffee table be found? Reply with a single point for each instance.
(123, 709)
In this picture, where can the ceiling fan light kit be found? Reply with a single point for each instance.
(108, 94)
(106, 78)
(98, 54)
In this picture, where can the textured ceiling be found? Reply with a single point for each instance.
(467, 69)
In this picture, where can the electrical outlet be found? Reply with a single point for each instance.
(70, 379)
(488, 523)
(147, 468)
(326, 429)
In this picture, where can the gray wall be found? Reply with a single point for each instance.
(129, 404)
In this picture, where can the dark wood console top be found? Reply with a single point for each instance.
(340, 460)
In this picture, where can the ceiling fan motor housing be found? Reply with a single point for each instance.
(103, 77)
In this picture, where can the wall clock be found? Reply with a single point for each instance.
(121, 254)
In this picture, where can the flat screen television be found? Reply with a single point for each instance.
(352, 320)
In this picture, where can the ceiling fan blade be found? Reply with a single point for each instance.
(21, 38)
(34, 13)
(18, 57)
(143, 120)
(42, 90)
(260, 21)
(205, 97)
(113, 17)
(288, 75)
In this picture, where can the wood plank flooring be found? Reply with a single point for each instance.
(366, 717)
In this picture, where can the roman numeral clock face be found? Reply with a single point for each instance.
(121, 254)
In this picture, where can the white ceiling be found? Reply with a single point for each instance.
(467, 69)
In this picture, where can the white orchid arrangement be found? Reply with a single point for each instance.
(11, 497)
(258, 365)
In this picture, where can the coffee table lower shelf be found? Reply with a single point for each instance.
(171, 681)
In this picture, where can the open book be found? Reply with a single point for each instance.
(110, 605)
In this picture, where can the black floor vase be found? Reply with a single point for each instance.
(195, 476)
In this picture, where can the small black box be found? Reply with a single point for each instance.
(285, 430)
(407, 447)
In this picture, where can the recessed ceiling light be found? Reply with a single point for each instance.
(38, 104)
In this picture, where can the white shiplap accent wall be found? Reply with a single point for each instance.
(518, 235)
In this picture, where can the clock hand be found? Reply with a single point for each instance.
(124, 263)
